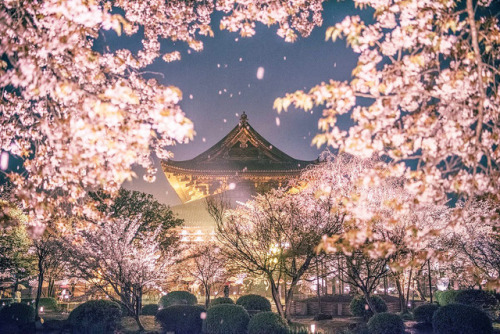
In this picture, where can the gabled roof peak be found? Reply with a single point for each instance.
(243, 119)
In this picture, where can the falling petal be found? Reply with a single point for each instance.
(260, 73)
(278, 121)
(4, 161)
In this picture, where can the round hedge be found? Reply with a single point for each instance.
(181, 319)
(221, 300)
(359, 306)
(461, 319)
(17, 313)
(95, 316)
(447, 297)
(386, 323)
(424, 313)
(227, 319)
(177, 298)
(254, 303)
(149, 309)
(267, 323)
(477, 298)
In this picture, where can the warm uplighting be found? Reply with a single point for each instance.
(313, 328)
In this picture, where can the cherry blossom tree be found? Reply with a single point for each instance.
(476, 243)
(50, 257)
(112, 256)
(276, 234)
(424, 96)
(207, 265)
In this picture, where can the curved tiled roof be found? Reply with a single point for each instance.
(242, 150)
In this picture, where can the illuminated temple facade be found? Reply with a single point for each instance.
(240, 165)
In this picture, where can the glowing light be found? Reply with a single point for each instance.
(260, 73)
(313, 328)
(203, 315)
(4, 161)
(231, 186)
(41, 309)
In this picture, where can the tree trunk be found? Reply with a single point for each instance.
(138, 300)
(369, 301)
(276, 297)
(40, 286)
(207, 295)
(317, 288)
(429, 275)
(408, 289)
(138, 321)
(401, 294)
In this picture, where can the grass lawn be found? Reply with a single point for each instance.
(129, 326)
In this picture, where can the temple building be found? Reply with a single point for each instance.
(240, 165)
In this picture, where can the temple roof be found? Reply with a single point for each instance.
(242, 161)
(242, 150)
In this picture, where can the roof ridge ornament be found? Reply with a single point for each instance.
(243, 119)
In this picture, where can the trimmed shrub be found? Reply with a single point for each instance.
(386, 323)
(177, 298)
(221, 300)
(267, 323)
(461, 319)
(181, 319)
(424, 313)
(227, 319)
(254, 303)
(17, 313)
(477, 298)
(48, 303)
(359, 306)
(95, 316)
(447, 297)
(149, 309)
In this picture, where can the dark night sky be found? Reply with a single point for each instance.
(288, 67)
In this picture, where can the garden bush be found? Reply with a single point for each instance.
(359, 307)
(254, 303)
(181, 319)
(461, 319)
(267, 323)
(424, 313)
(437, 294)
(227, 319)
(477, 298)
(221, 300)
(18, 314)
(177, 298)
(95, 316)
(48, 303)
(149, 309)
(386, 323)
(447, 297)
